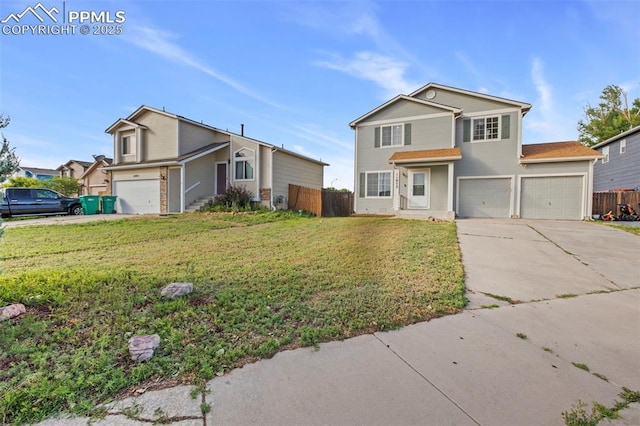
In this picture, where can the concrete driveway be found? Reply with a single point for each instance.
(515, 364)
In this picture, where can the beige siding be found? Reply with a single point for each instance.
(94, 182)
(252, 184)
(193, 137)
(201, 173)
(160, 140)
(139, 174)
(291, 169)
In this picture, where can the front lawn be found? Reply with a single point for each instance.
(263, 283)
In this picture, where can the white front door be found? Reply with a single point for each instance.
(419, 189)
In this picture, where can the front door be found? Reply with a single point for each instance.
(221, 178)
(418, 189)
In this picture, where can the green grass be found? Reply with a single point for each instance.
(630, 229)
(263, 282)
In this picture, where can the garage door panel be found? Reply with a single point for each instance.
(137, 196)
(555, 197)
(485, 197)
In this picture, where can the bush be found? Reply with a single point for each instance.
(235, 198)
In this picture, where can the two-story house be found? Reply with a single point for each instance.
(446, 152)
(163, 163)
(619, 167)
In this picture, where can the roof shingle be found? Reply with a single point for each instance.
(570, 150)
(427, 154)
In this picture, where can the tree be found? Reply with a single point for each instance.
(611, 117)
(9, 161)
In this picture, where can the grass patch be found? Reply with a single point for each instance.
(522, 336)
(635, 230)
(493, 306)
(601, 376)
(503, 298)
(263, 282)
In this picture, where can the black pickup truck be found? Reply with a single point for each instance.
(37, 201)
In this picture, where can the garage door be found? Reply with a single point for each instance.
(551, 197)
(484, 197)
(137, 196)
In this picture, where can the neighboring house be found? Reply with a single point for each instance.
(447, 152)
(35, 172)
(95, 179)
(74, 169)
(619, 167)
(164, 163)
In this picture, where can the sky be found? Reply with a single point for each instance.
(295, 73)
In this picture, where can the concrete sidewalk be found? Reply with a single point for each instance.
(514, 364)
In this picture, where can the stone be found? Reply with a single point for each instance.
(12, 311)
(175, 290)
(141, 347)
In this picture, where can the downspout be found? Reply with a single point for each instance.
(356, 181)
(258, 172)
(272, 201)
(589, 194)
(183, 176)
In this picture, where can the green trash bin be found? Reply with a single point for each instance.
(89, 203)
(108, 203)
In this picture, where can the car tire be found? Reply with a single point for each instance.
(76, 210)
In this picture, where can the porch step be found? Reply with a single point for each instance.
(198, 204)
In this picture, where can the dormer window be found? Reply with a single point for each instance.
(244, 161)
(128, 145)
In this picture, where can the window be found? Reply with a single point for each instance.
(244, 164)
(128, 145)
(486, 128)
(623, 146)
(45, 193)
(391, 135)
(605, 152)
(378, 184)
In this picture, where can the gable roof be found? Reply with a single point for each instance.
(523, 105)
(130, 120)
(622, 135)
(455, 111)
(445, 154)
(557, 151)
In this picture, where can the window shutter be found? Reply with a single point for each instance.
(376, 140)
(361, 187)
(506, 126)
(466, 130)
(407, 134)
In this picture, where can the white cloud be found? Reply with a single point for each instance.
(545, 101)
(386, 72)
(162, 44)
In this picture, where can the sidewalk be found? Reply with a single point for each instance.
(514, 364)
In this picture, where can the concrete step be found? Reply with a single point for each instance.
(199, 203)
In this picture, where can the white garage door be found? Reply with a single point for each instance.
(484, 197)
(552, 197)
(137, 196)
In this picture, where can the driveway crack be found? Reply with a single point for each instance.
(426, 379)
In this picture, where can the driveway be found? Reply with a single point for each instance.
(567, 294)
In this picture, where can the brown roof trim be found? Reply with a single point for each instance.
(557, 151)
(445, 154)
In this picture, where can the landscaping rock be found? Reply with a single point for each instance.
(141, 347)
(174, 290)
(12, 311)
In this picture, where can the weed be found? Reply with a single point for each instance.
(578, 416)
(503, 298)
(580, 366)
(601, 376)
(522, 336)
(547, 349)
(490, 306)
(566, 296)
(205, 408)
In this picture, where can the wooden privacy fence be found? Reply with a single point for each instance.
(320, 202)
(603, 202)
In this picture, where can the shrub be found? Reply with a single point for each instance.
(64, 185)
(235, 198)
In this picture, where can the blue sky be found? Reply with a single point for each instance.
(296, 73)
